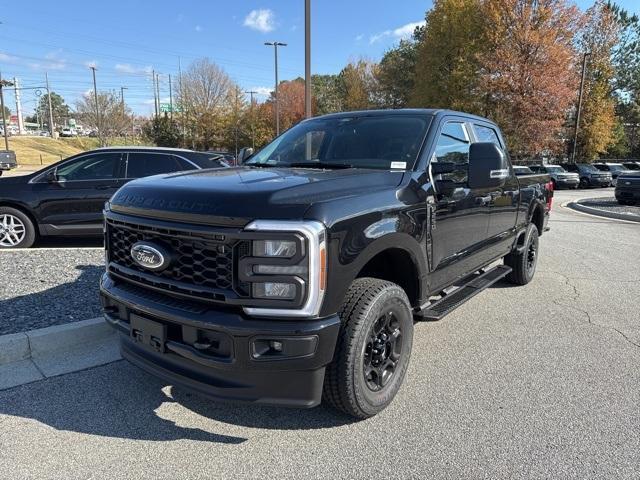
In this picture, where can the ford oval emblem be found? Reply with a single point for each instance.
(150, 256)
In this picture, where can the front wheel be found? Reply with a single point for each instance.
(16, 229)
(373, 349)
(524, 263)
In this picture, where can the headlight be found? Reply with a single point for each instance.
(286, 268)
(274, 248)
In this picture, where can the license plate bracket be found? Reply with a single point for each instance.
(146, 332)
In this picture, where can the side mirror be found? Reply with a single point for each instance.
(52, 176)
(244, 155)
(488, 165)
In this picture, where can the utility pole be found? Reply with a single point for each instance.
(95, 96)
(170, 99)
(275, 46)
(16, 89)
(253, 137)
(158, 92)
(307, 58)
(155, 99)
(183, 112)
(122, 89)
(577, 125)
(4, 83)
(51, 125)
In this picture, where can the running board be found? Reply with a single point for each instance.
(451, 301)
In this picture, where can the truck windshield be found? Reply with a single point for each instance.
(556, 170)
(379, 142)
(588, 168)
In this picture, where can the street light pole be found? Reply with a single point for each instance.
(95, 96)
(275, 46)
(307, 58)
(575, 130)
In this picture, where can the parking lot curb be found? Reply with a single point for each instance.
(576, 205)
(46, 352)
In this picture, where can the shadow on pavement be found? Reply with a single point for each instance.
(121, 401)
(64, 303)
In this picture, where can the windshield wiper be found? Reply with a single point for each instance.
(326, 165)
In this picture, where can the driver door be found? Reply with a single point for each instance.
(459, 215)
(73, 203)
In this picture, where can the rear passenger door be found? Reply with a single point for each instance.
(504, 200)
(145, 164)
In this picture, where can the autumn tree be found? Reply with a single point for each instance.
(326, 94)
(447, 63)
(290, 102)
(357, 85)
(527, 76)
(112, 118)
(203, 94)
(396, 74)
(598, 38)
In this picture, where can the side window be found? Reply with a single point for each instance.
(486, 134)
(453, 147)
(144, 164)
(99, 166)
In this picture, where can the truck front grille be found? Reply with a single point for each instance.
(201, 265)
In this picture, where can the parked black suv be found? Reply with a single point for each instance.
(298, 276)
(590, 176)
(628, 188)
(7, 160)
(68, 197)
(614, 168)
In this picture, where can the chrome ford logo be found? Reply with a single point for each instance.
(149, 256)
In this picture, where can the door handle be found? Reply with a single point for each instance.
(103, 187)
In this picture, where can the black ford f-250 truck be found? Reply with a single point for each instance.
(299, 275)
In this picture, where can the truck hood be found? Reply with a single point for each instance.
(235, 196)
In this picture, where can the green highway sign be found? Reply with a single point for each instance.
(167, 107)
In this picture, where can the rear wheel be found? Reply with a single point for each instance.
(524, 263)
(373, 349)
(16, 229)
(584, 183)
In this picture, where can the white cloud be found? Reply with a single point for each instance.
(151, 101)
(198, 28)
(131, 69)
(402, 32)
(5, 57)
(359, 37)
(54, 61)
(262, 20)
(262, 91)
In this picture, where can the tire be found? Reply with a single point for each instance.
(524, 264)
(376, 331)
(16, 229)
(584, 183)
(626, 202)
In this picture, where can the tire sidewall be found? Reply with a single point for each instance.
(369, 401)
(532, 236)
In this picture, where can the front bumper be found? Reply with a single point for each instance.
(567, 182)
(600, 181)
(238, 365)
(628, 193)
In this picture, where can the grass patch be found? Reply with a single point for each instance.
(44, 150)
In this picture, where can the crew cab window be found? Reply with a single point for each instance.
(143, 164)
(486, 134)
(453, 147)
(99, 166)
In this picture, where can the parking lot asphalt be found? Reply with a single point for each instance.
(49, 286)
(539, 381)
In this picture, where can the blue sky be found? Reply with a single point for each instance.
(127, 39)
